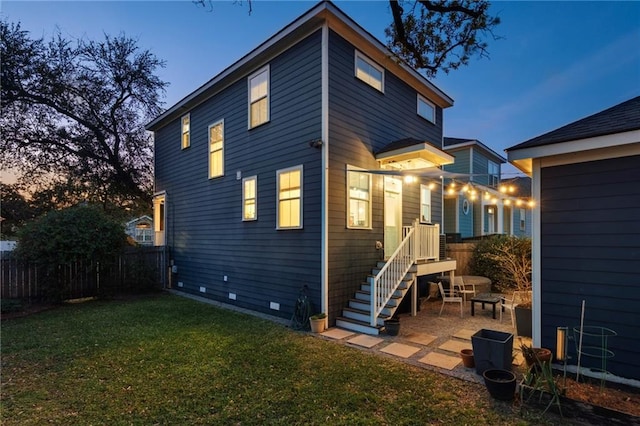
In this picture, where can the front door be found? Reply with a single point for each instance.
(392, 214)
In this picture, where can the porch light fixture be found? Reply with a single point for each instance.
(409, 179)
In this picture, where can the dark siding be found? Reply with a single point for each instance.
(207, 237)
(363, 120)
(590, 250)
(466, 220)
(480, 167)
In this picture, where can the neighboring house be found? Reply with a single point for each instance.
(586, 176)
(140, 230)
(287, 170)
(479, 203)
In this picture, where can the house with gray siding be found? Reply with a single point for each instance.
(311, 163)
(586, 233)
(477, 201)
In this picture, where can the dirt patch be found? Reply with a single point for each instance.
(626, 400)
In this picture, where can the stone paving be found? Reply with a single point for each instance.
(429, 340)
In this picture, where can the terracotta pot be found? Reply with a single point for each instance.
(467, 358)
(541, 355)
(317, 325)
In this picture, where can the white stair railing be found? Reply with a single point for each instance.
(386, 282)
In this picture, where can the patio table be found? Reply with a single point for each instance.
(485, 298)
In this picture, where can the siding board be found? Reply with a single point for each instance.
(590, 245)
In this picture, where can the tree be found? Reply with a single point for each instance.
(15, 210)
(439, 35)
(433, 36)
(76, 111)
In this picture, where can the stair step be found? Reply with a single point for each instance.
(363, 315)
(366, 296)
(358, 326)
(366, 306)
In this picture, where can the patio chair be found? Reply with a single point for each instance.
(449, 296)
(459, 282)
(509, 304)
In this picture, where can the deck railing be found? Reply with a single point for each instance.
(419, 242)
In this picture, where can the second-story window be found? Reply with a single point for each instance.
(289, 209)
(425, 204)
(426, 109)
(216, 149)
(369, 72)
(186, 130)
(259, 97)
(494, 174)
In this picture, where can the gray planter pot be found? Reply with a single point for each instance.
(492, 350)
(523, 321)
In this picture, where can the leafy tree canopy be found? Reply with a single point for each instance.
(76, 110)
(432, 36)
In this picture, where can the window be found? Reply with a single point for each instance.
(425, 204)
(249, 198)
(523, 216)
(426, 109)
(186, 129)
(216, 150)
(289, 198)
(494, 174)
(369, 72)
(259, 97)
(359, 202)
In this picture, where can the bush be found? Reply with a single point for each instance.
(81, 233)
(505, 260)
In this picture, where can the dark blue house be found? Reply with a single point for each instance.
(306, 163)
(586, 238)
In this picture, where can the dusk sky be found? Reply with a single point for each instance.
(556, 62)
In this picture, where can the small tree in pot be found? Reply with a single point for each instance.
(506, 261)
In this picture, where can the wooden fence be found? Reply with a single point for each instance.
(136, 269)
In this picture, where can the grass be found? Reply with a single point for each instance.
(170, 360)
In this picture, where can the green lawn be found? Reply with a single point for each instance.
(173, 361)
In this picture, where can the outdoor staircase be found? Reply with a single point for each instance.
(357, 315)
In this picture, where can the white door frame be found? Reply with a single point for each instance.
(392, 214)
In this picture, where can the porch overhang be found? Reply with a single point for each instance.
(412, 154)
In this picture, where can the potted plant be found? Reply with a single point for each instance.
(534, 356)
(507, 261)
(317, 322)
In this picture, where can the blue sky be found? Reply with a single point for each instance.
(555, 63)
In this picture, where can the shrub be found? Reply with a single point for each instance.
(81, 233)
(505, 260)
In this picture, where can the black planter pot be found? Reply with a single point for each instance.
(392, 326)
(523, 321)
(501, 384)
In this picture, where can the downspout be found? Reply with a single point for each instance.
(536, 264)
(324, 274)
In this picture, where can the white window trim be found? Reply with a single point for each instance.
(244, 199)
(422, 187)
(431, 104)
(251, 77)
(359, 55)
(353, 169)
(209, 147)
(182, 132)
(278, 173)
